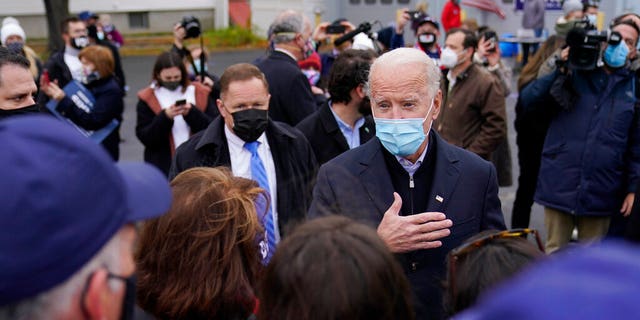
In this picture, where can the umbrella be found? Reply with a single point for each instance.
(486, 5)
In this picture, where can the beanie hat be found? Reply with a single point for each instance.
(571, 6)
(11, 27)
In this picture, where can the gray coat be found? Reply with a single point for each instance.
(533, 14)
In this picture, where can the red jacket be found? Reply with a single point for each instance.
(450, 16)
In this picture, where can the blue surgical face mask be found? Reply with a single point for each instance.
(593, 19)
(402, 137)
(615, 56)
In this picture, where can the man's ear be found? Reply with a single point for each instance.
(221, 108)
(360, 91)
(437, 103)
(96, 295)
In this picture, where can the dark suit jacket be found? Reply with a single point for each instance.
(292, 156)
(357, 184)
(325, 137)
(291, 97)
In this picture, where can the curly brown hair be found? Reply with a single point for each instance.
(201, 260)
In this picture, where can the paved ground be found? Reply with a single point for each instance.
(138, 73)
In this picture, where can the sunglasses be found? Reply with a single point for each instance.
(456, 254)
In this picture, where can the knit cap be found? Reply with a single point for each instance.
(11, 27)
(571, 6)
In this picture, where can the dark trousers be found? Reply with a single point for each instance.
(531, 130)
(532, 46)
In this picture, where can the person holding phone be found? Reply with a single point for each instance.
(487, 56)
(325, 34)
(170, 110)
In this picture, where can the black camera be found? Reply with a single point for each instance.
(415, 15)
(191, 25)
(336, 29)
(585, 46)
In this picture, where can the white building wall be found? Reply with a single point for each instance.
(265, 11)
(162, 13)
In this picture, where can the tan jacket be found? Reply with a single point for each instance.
(473, 114)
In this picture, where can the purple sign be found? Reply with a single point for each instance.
(551, 4)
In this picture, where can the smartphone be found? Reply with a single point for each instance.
(45, 77)
(335, 29)
(181, 102)
(492, 37)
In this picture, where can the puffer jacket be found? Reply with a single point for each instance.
(591, 155)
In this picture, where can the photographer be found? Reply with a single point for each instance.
(426, 30)
(194, 59)
(591, 156)
(325, 34)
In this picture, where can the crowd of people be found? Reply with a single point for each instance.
(350, 181)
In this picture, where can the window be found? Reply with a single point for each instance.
(370, 1)
(139, 20)
(386, 1)
(404, 1)
(354, 1)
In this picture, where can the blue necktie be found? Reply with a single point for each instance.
(259, 174)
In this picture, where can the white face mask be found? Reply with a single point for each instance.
(449, 58)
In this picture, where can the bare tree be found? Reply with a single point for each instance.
(57, 10)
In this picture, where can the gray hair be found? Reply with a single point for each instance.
(286, 25)
(58, 299)
(404, 56)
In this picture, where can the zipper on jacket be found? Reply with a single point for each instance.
(411, 187)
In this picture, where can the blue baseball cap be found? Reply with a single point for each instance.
(63, 199)
(596, 282)
(86, 15)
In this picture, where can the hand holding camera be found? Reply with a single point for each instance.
(403, 16)
(188, 28)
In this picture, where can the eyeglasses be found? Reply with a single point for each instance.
(513, 233)
(464, 249)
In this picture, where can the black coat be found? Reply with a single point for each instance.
(325, 137)
(291, 97)
(464, 187)
(292, 156)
